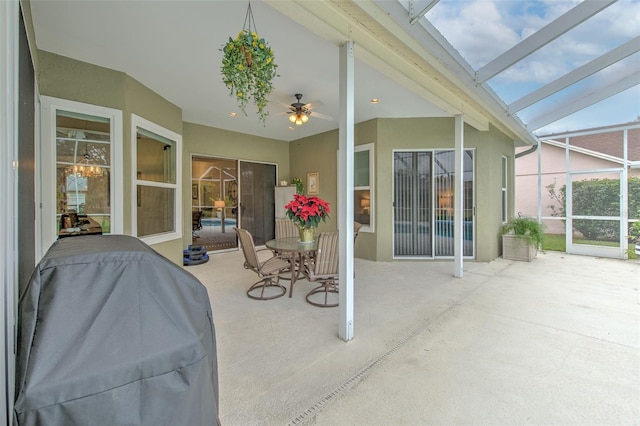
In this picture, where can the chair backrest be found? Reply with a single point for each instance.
(325, 262)
(248, 249)
(286, 228)
(356, 229)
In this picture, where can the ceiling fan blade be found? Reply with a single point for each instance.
(321, 116)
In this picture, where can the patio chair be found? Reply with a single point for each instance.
(323, 268)
(269, 270)
(286, 229)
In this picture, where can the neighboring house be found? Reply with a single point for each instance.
(590, 149)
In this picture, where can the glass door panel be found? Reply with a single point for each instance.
(257, 200)
(412, 204)
(214, 199)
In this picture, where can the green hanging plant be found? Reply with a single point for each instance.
(248, 69)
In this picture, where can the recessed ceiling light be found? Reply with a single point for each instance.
(290, 128)
(233, 114)
(375, 101)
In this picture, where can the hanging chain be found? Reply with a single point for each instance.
(248, 19)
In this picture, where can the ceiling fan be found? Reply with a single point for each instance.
(300, 112)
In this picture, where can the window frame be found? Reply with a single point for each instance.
(371, 187)
(140, 122)
(504, 191)
(47, 164)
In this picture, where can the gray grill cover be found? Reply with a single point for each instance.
(112, 333)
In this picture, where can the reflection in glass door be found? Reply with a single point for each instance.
(214, 202)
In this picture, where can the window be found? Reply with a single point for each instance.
(156, 159)
(81, 174)
(363, 186)
(504, 190)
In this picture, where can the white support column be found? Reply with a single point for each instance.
(539, 181)
(458, 202)
(345, 192)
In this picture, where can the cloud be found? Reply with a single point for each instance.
(481, 30)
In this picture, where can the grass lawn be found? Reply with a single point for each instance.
(557, 242)
(554, 242)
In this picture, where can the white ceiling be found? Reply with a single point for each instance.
(173, 47)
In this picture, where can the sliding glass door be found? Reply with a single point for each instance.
(423, 203)
(226, 193)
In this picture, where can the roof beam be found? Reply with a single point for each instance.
(542, 37)
(598, 64)
(596, 96)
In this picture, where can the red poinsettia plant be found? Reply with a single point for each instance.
(306, 212)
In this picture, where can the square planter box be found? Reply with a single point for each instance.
(517, 248)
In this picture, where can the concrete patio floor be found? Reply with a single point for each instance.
(554, 341)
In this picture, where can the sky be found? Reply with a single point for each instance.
(483, 29)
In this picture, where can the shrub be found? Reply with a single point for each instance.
(596, 197)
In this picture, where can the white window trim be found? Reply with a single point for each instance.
(372, 203)
(49, 107)
(137, 121)
(504, 178)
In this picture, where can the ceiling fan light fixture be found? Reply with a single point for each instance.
(305, 118)
(292, 118)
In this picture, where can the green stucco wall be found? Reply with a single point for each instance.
(66, 78)
(318, 154)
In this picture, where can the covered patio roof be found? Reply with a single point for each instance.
(406, 54)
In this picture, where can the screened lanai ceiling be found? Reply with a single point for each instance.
(522, 66)
(559, 65)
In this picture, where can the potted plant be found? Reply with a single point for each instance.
(248, 69)
(306, 213)
(521, 237)
(299, 185)
(634, 238)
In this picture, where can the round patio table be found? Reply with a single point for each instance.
(296, 251)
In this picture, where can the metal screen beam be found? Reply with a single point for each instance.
(609, 58)
(415, 18)
(594, 97)
(542, 37)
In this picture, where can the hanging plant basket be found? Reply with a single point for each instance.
(248, 68)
